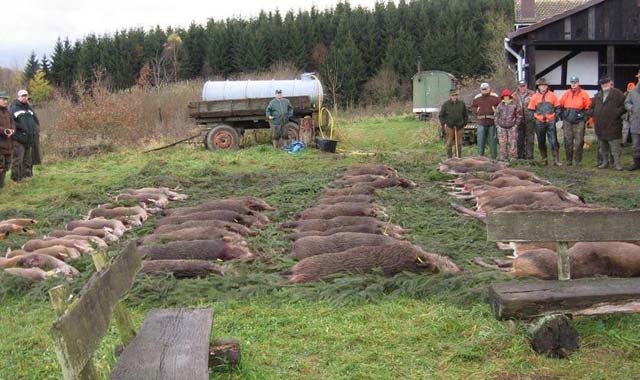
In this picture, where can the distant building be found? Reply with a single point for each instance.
(588, 38)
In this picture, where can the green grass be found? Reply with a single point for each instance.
(409, 326)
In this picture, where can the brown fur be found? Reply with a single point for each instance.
(469, 164)
(196, 250)
(34, 274)
(363, 198)
(9, 228)
(253, 203)
(36, 260)
(60, 252)
(80, 245)
(172, 195)
(360, 189)
(224, 215)
(379, 228)
(103, 233)
(20, 221)
(383, 170)
(181, 268)
(194, 233)
(229, 226)
(352, 180)
(214, 206)
(391, 259)
(318, 245)
(326, 224)
(387, 182)
(119, 212)
(344, 209)
(156, 200)
(118, 228)
(92, 240)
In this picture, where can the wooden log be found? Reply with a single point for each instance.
(588, 296)
(553, 336)
(563, 226)
(224, 354)
(171, 344)
(181, 268)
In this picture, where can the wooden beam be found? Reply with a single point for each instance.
(611, 60)
(590, 296)
(79, 331)
(563, 226)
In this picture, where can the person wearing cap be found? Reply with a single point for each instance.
(453, 117)
(632, 105)
(607, 107)
(279, 111)
(575, 104)
(508, 115)
(484, 107)
(527, 127)
(544, 104)
(626, 126)
(7, 129)
(27, 126)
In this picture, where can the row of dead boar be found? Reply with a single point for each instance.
(492, 187)
(346, 232)
(41, 258)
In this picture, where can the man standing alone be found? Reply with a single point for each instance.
(544, 104)
(575, 103)
(484, 107)
(632, 104)
(453, 117)
(608, 107)
(7, 128)
(279, 111)
(27, 127)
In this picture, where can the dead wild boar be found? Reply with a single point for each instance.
(361, 189)
(36, 260)
(24, 222)
(383, 170)
(104, 233)
(81, 245)
(363, 198)
(196, 250)
(194, 233)
(391, 259)
(171, 194)
(181, 268)
(60, 252)
(326, 224)
(229, 226)
(117, 227)
(318, 245)
(225, 215)
(344, 209)
(9, 228)
(352, 180)
(379, 228)
(119, 212)
(215, 206)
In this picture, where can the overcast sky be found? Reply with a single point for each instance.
(36, 24)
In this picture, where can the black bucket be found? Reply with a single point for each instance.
(326, 145)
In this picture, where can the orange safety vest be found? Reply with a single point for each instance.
(544, 106)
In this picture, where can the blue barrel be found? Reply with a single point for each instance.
(255, 89)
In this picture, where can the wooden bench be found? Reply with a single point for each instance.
(553, 301)
(171, 344)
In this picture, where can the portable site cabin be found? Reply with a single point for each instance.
(430, 90)
(587, 38)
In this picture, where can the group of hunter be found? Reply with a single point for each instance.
(19, 137)
(510, 121)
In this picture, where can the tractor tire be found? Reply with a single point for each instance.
(222, 137)
(293, 131)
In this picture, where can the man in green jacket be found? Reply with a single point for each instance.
(279, 111)
(453, 117)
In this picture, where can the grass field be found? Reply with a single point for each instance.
(409, 326)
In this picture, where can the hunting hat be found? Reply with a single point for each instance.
(4, 95)
(22, 93)
(574, 79)
(543, 81)
(453, 92)
(484, 86)
(522, 82)
(604, 80)
(278, 91)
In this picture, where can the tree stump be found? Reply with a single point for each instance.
(224, 354)
(554, 337)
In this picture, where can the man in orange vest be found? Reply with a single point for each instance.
(574, 104)
(544, 105)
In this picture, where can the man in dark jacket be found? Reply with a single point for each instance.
(527, 126)
(279, 111)
(608, 108)
(7, 129)
(27, 127)
(453, 117)
(484, 107)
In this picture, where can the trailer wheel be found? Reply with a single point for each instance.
(293, 131)
(222, 137)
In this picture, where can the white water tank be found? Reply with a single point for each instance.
(254, 89)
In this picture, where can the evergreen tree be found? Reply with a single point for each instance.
(31, 68)
(45, 66)
(39, 87)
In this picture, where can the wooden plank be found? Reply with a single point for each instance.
(564, 269)
(79, 331)
(563, 226)
(171, 345)
(591, 296)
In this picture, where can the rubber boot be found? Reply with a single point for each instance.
(275, 143)
(616, 162)
(636, 164)
(556, 158)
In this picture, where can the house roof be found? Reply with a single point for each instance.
(545, 9)
(579, 8)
